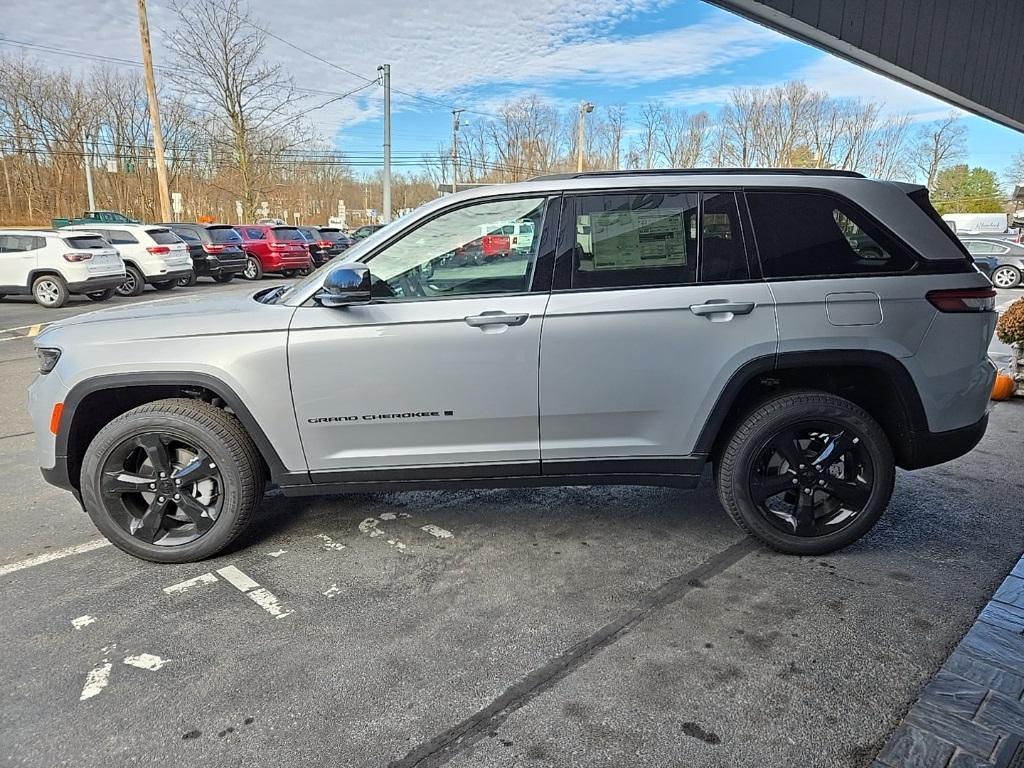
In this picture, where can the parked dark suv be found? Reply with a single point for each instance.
(216, 251)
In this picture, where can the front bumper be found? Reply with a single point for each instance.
(98, 283)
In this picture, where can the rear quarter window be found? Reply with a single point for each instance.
(224, 235)
(163, 236)
(288, 234)
(807, 234)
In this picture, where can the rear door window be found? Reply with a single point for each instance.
(188, 235)
(806, 234)
(20, 243)
(635, 240)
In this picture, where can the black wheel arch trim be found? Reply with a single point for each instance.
(113, 381)
(905, 389)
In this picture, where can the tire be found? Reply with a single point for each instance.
(253, 269)
(289, 273)
(50, 291)
(188, 282)
(101, 295)
(740, 471)
(165, 285)
(238, 483)
(224, 278)
(1006, 276)
(134, 282)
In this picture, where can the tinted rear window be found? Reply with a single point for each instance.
(288, 234)
(331, 234)
(163, 236)
(224, 235)
(802, 234)
(86, 241)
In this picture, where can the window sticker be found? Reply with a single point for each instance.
(631, 239)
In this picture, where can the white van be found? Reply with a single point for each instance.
(152, 254)
(976, 223)
(50, 265)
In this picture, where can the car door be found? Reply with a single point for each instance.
(440, 371)
(18, 257)
(655, 305)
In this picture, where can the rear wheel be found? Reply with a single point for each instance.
(50, 291)
(133, 283)
(253, 269)
(1006, 276)
(101, 295)
(172, 481)
(806, 473)
(165, 285)
(188, 282)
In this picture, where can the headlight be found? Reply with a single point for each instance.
(48, 358)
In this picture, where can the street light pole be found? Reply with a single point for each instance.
(385, 70)
(455, 148)
(585, 108)
(87, 161)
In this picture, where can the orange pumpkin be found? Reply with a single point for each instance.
(1004, 387)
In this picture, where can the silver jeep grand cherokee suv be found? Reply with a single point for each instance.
(806, 332)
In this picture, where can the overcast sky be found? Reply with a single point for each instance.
(477, 53)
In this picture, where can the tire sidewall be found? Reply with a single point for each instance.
(223, 530)
(1013, 271)
(749, 448)
(62, 291)
(140, 282)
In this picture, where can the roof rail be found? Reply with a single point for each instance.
(701, 172)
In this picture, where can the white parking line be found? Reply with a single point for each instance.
(82, 621)
(57, 554)
(34, 330)
(145, 661)
(263, 597)
(177, 589)
(436, 531)
(96, 681)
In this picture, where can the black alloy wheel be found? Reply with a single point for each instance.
(162, 488)
(812, 479)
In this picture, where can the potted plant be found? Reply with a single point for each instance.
(1010, 330)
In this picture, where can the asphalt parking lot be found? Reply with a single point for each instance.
(551, 627)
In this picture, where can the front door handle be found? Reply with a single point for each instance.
(716, 306)
(496, 317)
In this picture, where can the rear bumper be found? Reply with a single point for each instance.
(98, 283)
(219, 265)
(275, 262)
(171, 274)
(926, 449)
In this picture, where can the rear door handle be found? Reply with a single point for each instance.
(496, 317)
(715, 306)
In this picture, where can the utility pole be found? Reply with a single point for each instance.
(154, 116)
(385, 70)
(585, 108)
(455, 148)
(87, 162)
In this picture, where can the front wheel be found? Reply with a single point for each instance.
(101, 295)
(165, 285)
(224, 278)
(1006, 276)
(133, 283)
(253, 269)
(172, 481)
(188, 282)
(806, 473)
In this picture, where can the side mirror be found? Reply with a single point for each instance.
(344, 285)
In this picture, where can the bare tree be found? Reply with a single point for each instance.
(252, 107)
(683, 139)
(939, 144)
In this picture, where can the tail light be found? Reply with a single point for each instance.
(324, 243)
(159, 250)
(75, 256)
(211, 248)
(275, 246)
(963, 299)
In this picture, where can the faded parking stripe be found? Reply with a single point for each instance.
(57, 554)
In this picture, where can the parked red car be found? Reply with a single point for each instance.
(273, 249)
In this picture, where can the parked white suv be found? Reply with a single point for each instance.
(51, 265)
(152, 254)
